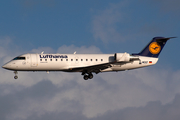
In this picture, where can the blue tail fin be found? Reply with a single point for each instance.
(154, 48)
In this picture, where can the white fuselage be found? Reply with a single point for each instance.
(89, 63)
(67, 62)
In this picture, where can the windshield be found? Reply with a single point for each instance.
(19, 58)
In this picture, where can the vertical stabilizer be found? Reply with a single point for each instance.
(154, 48)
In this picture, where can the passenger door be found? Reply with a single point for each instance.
(34, 62)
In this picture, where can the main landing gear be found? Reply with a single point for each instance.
(15, 77)
(88, 76)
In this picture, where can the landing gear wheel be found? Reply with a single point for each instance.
(90, 76)
(86, 77)
(15, 77)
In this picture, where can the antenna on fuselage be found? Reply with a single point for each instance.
(75, 52)
(42, 52)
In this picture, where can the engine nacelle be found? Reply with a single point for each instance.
(122, 57)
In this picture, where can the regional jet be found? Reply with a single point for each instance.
(87, 64)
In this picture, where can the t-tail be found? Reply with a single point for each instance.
(154, 48)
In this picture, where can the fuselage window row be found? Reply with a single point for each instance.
(71, 59)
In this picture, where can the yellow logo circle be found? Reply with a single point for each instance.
(154, 48)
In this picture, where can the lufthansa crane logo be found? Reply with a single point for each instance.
(154, 48)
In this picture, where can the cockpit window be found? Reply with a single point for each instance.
(19, 58)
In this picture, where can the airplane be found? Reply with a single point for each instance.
(87, 64)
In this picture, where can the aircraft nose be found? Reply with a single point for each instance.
(5, 66)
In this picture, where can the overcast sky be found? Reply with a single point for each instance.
(91, 26)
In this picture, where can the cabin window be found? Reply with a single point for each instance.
(86, 59)
(91, 59)
(81, 59)
(56, 59)
(71, 59)
(96, 59)
(45, 59)
(40, 59)
(66, 59)
(76, 59)
(101, 59)
(50, 59)
(61, 59)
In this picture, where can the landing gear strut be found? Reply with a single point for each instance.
(15, 77)
(89, 76)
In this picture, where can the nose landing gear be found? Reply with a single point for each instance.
(15, 77)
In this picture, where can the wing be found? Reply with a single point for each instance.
(94, 68)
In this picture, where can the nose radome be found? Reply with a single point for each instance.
(4, 66)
